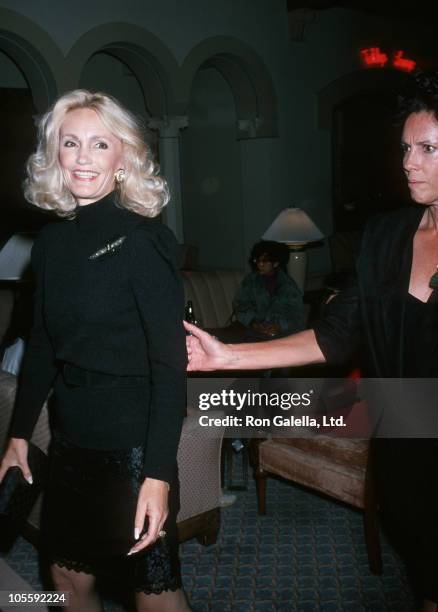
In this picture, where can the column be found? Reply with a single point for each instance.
(169, 154)
(260, 157)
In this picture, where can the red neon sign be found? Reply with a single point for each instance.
(373, 57)
(403, 63)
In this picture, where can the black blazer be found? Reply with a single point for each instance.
(372, 312)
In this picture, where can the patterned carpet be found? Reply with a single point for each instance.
(306, 555)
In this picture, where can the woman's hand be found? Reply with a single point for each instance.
(266, 328)
(257, 326)
(271, 329)
(153, 505)
(205, 352)
(16, 455)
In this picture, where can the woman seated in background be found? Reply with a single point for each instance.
(269, 302)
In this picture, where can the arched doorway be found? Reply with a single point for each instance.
(24, 93)
(28, 86)
(17, 142)
(136, 67)
(367, 171)
(359, 110)
(231, 103)
(106, 72)
(211, 173)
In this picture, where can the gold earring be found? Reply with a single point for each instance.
(119, 176)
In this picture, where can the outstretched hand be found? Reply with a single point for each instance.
(205, 352)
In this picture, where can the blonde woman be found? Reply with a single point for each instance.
(108, 337)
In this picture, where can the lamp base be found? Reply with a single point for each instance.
(297, 266)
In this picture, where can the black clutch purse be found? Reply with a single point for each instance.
(17, 496)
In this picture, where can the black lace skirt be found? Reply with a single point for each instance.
(88, 518)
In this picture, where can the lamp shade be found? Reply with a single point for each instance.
(15, 257)
(293, 226)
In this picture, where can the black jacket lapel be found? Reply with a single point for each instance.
(389, 252)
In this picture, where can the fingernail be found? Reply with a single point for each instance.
(29, 479)
(130, 552)
(136, 533)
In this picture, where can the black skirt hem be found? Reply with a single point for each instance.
(88, 516)
(171, 584)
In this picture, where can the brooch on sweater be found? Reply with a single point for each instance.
(110, 248)
(433, 284)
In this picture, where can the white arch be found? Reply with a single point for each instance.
(147, 57)
(36, 55)
(246, 74)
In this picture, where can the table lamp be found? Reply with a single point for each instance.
(295, 228)
(15, 257)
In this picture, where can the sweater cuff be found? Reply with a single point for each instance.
(336, 348)
(165, 473)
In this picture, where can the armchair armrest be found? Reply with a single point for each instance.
(8, 389)
(199, 462)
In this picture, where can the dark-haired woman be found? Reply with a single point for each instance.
(393, 310)
(269, 302)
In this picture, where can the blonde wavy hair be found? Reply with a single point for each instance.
(142, 190)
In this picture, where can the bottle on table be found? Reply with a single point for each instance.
(190, 316)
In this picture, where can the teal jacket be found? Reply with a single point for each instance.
(284, 307)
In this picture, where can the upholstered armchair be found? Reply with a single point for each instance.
(340, 468)
(212, 294)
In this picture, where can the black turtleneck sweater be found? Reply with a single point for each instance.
(118, 314)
